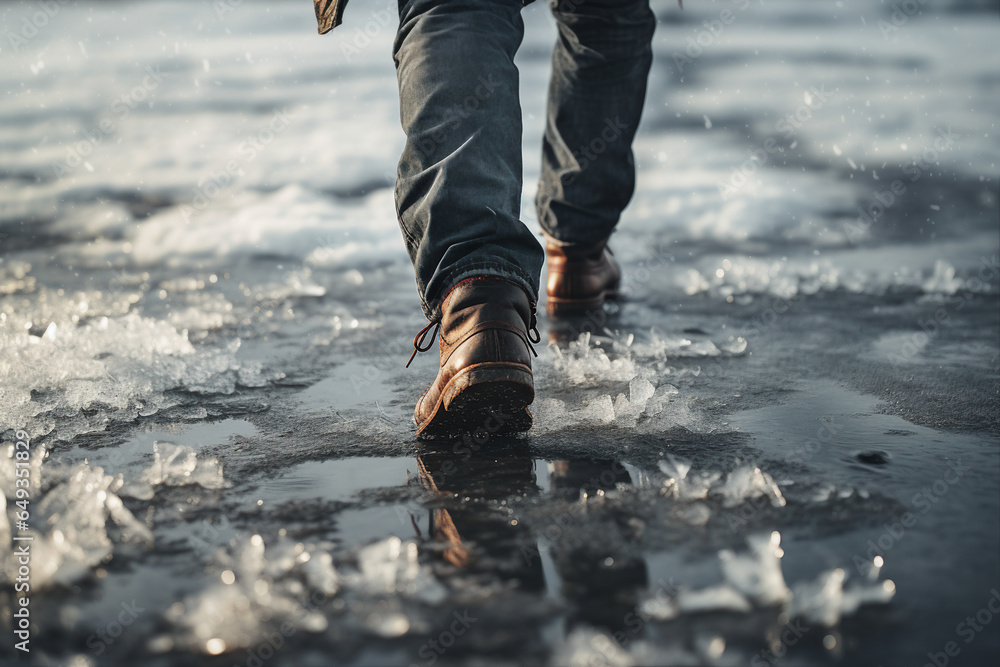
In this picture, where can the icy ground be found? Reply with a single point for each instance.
(783, 449)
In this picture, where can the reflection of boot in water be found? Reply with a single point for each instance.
(473, 536)
(442, 527)
(600, 580)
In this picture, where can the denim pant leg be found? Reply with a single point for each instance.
(599, 71)
(458, 185)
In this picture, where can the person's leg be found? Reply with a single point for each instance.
(599, 71)
(458, 187)
(458, 195)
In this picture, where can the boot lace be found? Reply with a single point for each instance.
(420, 344)
(418, 340)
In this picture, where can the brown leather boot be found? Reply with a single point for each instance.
(581, 278)
(485, 377)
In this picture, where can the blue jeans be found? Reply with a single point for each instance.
(458, 185)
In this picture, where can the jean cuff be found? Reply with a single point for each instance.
(498, 268)
(578, 242)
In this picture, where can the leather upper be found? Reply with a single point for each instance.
(580, 273)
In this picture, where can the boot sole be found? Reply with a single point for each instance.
(489, 398)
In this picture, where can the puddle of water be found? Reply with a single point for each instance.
(376, 523)
(353, 385)
(944, 485)
(138, 448)
(832, 429)
(337, 479)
